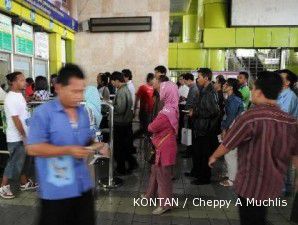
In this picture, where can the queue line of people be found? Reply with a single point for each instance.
(62, 172)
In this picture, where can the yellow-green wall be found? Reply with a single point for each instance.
(212, 22)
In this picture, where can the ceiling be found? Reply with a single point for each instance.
(180, 6)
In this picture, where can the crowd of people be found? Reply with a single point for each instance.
(251, 130)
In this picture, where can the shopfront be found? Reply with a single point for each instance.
(34, 42)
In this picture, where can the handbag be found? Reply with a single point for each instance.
(186, 135)
(151, 149)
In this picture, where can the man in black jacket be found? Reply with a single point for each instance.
(205, 114)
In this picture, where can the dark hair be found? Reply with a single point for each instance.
(161, 69)
(108, 74)
(104, 79)
(117, 76)
(54, 75)
(206, 72)
(221, 80)
(189, 76)
(245, 74)
(69, 71)
(163, 78)
(270, 83)
(41, 83)
(127, 73)
(234, 83)
(11, 77)
(29, 80)
(291, 77)
(220, 76)
(150, 76)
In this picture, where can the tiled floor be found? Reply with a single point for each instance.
(117, 206)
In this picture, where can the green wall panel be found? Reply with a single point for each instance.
(189, 28)
(280, 37)
(220, 38)
(215, 15)
(216, 59)
(293, 37)
(262, 37)
(191, 58)
(173, 54)
(245, 37)
(188, 45)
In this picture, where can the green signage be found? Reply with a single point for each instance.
(5, 33)
(23, 39)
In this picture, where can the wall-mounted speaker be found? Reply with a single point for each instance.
(120, 24)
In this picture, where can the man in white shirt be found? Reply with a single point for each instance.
(183, 90)
(17, 116)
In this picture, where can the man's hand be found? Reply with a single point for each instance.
(105, 151)
(102, 147)
(79, 152)
(212, 160)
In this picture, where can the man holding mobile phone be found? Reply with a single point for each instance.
(58, 135)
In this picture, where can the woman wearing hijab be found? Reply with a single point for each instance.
(93, 106)
(164, 129)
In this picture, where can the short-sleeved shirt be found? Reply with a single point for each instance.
(266, 138)
(65, 176)
(288, 102)
(145, 93)
(245, 96)
(15, 105)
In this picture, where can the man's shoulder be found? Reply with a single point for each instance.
(261, 113)
(12, 97)
(46, 107)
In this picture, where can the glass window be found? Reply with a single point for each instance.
(22, 64)
(40, 68)
(4, 67)
(63, 52)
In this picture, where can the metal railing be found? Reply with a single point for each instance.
(109, 182)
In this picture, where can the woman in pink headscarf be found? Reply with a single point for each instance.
(164, 129)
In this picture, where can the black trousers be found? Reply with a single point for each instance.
(181, 121)
(252, 215)
(202, 148)
(294, 214)
(145, 118)
(71, 211)
(122, 147)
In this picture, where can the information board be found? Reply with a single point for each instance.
(5, 33)
(41, 45)
(23, 37)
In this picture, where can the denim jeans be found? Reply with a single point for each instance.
(16, 160)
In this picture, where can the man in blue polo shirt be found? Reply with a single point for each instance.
(58, 134)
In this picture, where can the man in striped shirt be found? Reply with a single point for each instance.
(266, 138)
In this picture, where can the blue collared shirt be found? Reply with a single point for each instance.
(233, 108)
(65, 176)
(288, 102)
